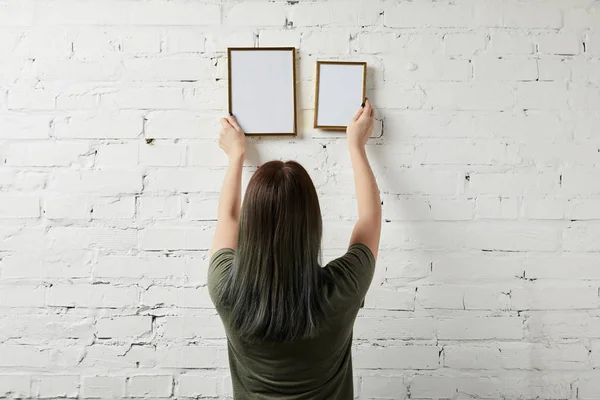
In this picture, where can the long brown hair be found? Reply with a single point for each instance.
(274, 288)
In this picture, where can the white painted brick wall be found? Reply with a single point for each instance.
(487, 152)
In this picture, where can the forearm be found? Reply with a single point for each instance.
(367, 230)
(231, 192)
(228, 214)
(367, 191)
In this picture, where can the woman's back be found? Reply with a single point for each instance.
(289, 321)
(319, 367)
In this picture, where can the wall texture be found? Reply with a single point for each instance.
(487, 155)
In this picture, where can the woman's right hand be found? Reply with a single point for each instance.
(361, 127)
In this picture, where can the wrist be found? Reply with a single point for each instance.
(355, 148)
(237, 156)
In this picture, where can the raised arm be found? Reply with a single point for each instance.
(367, 230)
(233, 143)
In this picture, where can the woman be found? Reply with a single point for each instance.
(289, 321)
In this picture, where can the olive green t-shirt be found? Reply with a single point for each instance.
(309, 369)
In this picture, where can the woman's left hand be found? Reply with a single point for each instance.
(231, 138)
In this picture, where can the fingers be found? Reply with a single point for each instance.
(368, 110)
(225, 123)
(231, 119)
(358, 114)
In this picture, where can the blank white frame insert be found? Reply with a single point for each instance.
(340, 90)
(262, 89)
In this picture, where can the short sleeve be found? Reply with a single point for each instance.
(218, 270)
(352, 275)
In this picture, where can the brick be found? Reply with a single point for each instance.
(588, 388)
(469, 96)
(189, 180)
(581, 267)
(434, 15)
(219, 42)
(206, 154)
(23, 126)
(202, 209)
(435, 152)
(457, 44)
(555, 298)
(121, 126)
(561, 324)
(117, 155)
(256, 14)
(25, 99)
(193, 327)
(330, 43)
(397, 357)
(551, 69)
(181, 297)
(176, 124)
(482, 328)
(162, 155)
(13, 296)
(592, 43)
(335, 13)
(180, 69)
(97, 387)
(582, 70)
(16, 385)
(390, 299)
(543, 385)
(505, 69)
(123, 327)
(479, 298)
(79, 70)
(512, 43)
(100, 296)
(193, 357)
(383, 387)
(583, 209)
(582, 236)
(140, 267)
(16, 14)
(492, 207)
(114, 208)
(160, 386)
(144, 98)
(20, 238)
(437, 68)
(159, 207)
(433, 387)
(185, 40)
(46, 154)
(481, 269)
(19, 206)
(176, 238)
(523, 15)
(52, 386)
(75, 238)
(440, 297)
(541, 95)
(196, 385)
(511, 184)
(394, 328)
(559, 43)
(113, 182)
(279, 37)
(67, 207)
(544, 208)
(581, 181)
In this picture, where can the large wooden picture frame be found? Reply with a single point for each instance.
(342, 93)
(260, 83)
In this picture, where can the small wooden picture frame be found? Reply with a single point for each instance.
(262, 89)
(340, 90)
